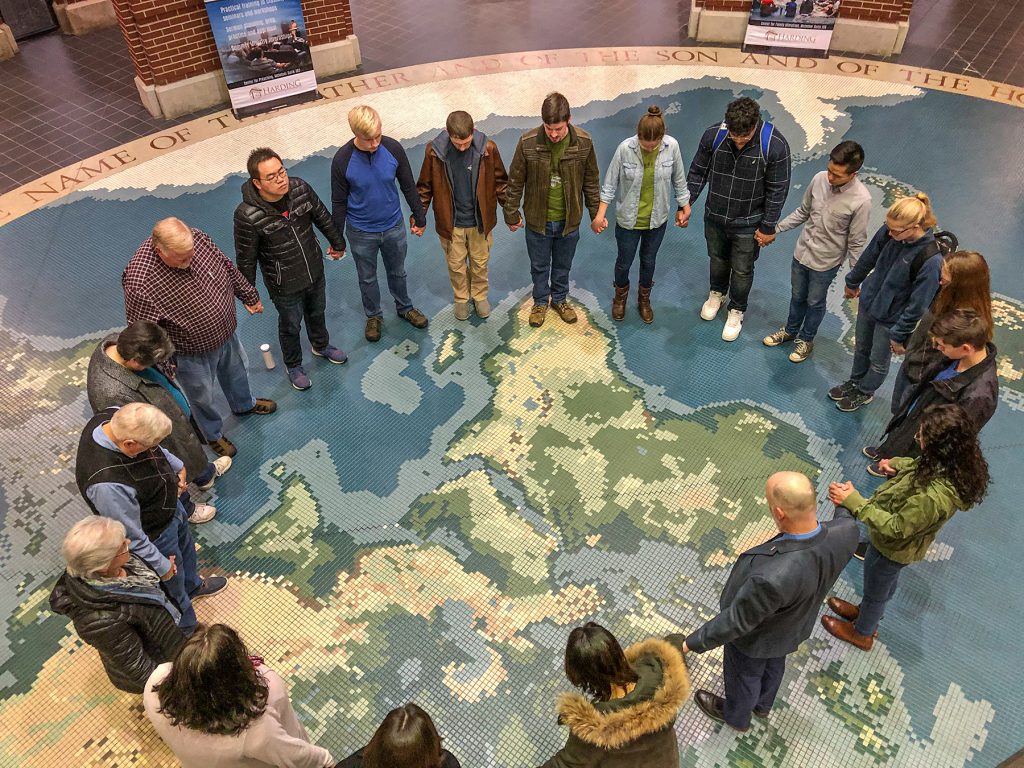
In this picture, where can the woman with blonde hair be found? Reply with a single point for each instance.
(964, 282)
(896, 279)
(647, 180)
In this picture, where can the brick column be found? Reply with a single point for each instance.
(177, 66)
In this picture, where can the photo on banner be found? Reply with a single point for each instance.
(264, 53)
(791, 27)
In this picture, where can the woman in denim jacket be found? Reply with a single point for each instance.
(644, 177)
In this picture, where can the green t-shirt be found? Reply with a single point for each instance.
(643, 212)
(556, 199)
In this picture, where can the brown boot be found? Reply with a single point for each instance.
(848, 611)
(619, 302)
(643, 303)
(845, 630)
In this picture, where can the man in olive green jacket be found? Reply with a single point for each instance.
(557, 169)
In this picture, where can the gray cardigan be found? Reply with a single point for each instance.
(111, 384)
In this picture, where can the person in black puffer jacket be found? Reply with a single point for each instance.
(274, 227)
(116, 603)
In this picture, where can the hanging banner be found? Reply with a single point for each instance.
(264, 53)
(791, 27)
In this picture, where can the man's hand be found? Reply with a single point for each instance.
(763, 239)
(255, 309)
(851, 293)
(838, 492)
(332, 253)
(683, 216)
(517, 225)
(599, 225)
(897, 348)
(418, 231)
(182, 483)
(171, 573)
(887, 469)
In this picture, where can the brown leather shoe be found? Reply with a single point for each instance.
(845, 631)
(537, 315)
(848, 611)
(415, 318)
(565, 311)
(372, 330)
(619, 302)
(223, 447)
(263, 407)
(643, 303)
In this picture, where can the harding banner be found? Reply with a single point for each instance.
(264, 53)
(793, 27)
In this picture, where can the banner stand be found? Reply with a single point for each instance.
(801, 28)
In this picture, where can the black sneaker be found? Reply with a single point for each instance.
(211, 586)
(861, 550)
(853, 401)
(871, 451)
(838, 393)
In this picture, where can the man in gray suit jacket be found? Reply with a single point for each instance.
(771, 600)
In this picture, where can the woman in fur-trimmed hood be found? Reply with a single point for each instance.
(632, 698)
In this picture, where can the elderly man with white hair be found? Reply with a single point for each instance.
(116, 603)
(180, 280)
(124, 474)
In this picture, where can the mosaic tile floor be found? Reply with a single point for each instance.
(430, 521)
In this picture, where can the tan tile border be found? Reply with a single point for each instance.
(56, 185)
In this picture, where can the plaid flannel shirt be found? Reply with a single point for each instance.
(196, 305)
(744, 190)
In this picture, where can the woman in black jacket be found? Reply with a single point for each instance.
(116, 603)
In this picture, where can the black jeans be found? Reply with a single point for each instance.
(310, 304)
(733, 252)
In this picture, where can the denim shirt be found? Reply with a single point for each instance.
(625, 176)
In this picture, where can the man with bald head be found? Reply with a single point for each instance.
(771, 600)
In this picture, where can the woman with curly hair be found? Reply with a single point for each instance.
(907, 511)
(218, 706)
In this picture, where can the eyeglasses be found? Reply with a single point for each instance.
(280, 175)
(895, 232)
(126, 546)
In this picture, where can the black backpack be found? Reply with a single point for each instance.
(944, 243)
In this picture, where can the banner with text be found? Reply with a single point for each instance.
(264, 53)
(793, 27)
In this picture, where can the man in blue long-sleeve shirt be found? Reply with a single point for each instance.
(364, 196)
(746, 166)
(123, 473)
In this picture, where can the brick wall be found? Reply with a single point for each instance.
(172, 41)
(865, 10)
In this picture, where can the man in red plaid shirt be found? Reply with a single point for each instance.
(183, 282)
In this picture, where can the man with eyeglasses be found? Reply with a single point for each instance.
(745, 163)
(274, 227)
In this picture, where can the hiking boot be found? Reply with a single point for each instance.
(537, 315)
(203, 513)
(483, 308)
(331, 354)
(220, 466)
(802, 352)
(263, 407)
(619, 301)
(841, 391)
(461, 310)
(853, 401)
(223, 447)
(372, 331)
(415, 318)
(643, 304)
(779, 337)
(733, 325)
(211, 586)
(297, 376)
(565, 311)
(710, 307)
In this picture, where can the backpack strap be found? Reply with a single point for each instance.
(719, 138)
(767, 130)
(929, 250)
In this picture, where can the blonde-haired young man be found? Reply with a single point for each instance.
(366, 207)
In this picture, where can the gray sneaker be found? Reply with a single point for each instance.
(779, 337)
(211, 586)
(802, 352)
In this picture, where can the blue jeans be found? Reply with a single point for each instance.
(230, 367)
(627, 240)
(807, 305)
(880, 577)
(176, 539)
(392, 246)
(733, 251)
(550, 260)
(310, 304)
(749, 684)
(871, 354)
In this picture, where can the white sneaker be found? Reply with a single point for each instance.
(203, 513)
(220, 465)
(712, 305)
(733, 324)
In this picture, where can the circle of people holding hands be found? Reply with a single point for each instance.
(132, 573)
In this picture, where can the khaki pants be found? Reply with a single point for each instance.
(467, 254)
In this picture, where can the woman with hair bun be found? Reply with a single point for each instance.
(899, 270)
(647, 181)
(406, 738)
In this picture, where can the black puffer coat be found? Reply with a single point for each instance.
(286, 247)
(132, 635)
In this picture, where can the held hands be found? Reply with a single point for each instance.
(418, 231)
(897, 348)
(763, 239)
(255, 309)
(838, 492)
(171, 573)
(331, 253)
(517, 225)
(599, 225)
(182, 483)
(851, 293)
(683, 216)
